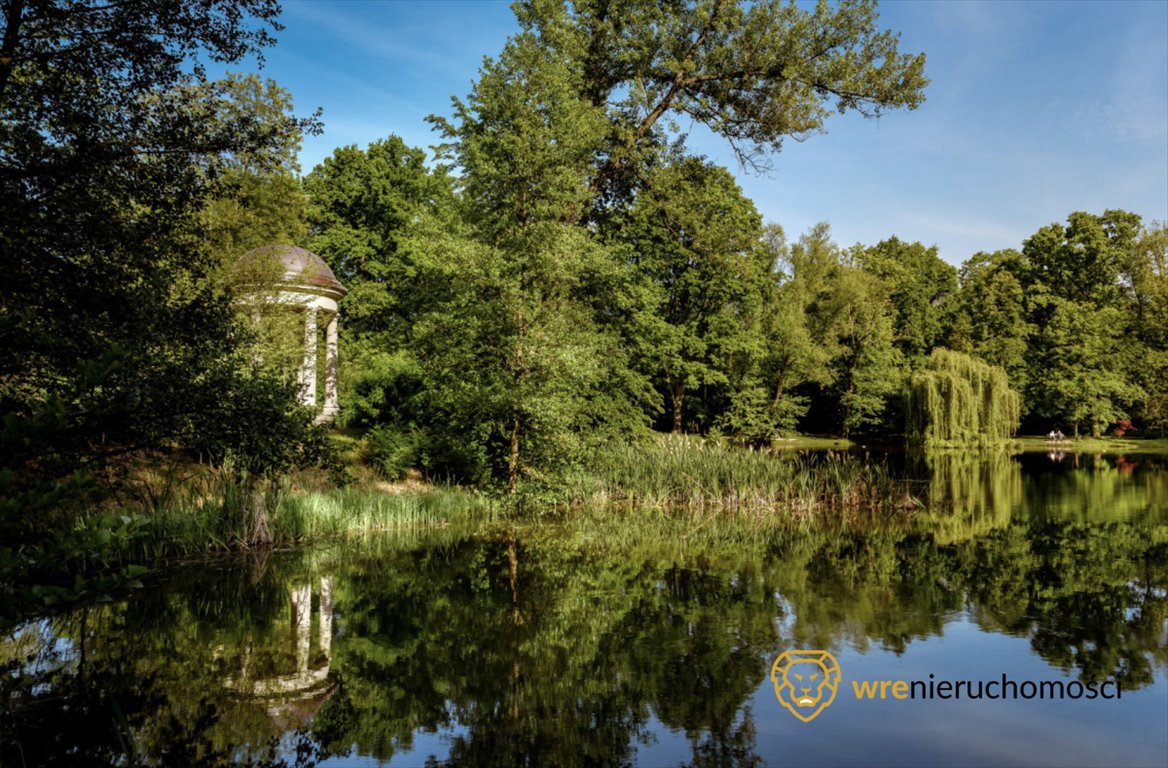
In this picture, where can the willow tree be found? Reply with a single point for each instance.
(959, 399)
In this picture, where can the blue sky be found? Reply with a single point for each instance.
(1036, 109)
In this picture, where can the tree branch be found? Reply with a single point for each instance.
(14, 12)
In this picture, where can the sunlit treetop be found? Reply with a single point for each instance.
(754, 73)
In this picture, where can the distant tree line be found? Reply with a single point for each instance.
(692, 315)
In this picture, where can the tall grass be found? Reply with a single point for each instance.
(672, 473)
(346, 513)
(108, 548)
(675, 489)
(213, 512)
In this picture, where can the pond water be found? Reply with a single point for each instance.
(540, 645)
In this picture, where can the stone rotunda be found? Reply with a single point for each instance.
(305, 284)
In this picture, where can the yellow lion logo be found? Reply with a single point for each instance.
(805, 682)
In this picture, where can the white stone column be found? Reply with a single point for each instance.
(330, 368)
(308, 369)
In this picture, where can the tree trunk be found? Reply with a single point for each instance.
(677, 393)
(855, 363)
(778, 392)
(847, 412)
(513, 460)
(14, 12)
(256, 529)
(513, 567)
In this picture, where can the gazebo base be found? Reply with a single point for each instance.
(327, 414)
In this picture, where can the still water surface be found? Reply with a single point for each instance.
(535, 645)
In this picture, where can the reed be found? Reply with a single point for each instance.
(705, 476)
(210, 513)
(350, 513)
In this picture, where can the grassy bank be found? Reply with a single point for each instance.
(677, 489)
(110, 548)
(1093, 444)
(218, 521)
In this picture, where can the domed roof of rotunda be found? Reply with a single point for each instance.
(301, 267)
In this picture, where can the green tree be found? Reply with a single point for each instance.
(790, 354)
(1075, 304)
(857, 317)
(695, 238)
(111, 144)
(1145, 277)
(990, 318)
(257, 200)
(366, 210)
(516, 359)
(922, 289)
(958, 399)
(362, 206)
(1077, 377)
(754, 73)
(1082, 261)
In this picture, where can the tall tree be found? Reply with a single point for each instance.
(858, 320)
(990, 316)
(754, 73)
(564, 128)
(362, 206)
(366, 213)
(517, 360)
(1075, 303)
(695, 238)
(922, 289)
(1145, 276)
(791, 353)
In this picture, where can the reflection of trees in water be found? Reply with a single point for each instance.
(1096, 488)
(599, 647)
(968, 493)
(1091, 598)
(539, 652)
(856, 589)
(144, 680)
(572, 678)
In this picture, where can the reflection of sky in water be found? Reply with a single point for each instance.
(1132, 731)
(1125, 732)
(426, 745)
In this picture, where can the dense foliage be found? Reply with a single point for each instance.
(959, 399)
(579, 276)
(567, 275)
(573, 274)
(117, 335)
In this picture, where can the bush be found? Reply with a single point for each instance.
(392, 451)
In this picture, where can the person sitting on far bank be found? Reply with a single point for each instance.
(1058, 435)
(1051, 435)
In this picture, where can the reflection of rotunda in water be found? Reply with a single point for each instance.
(290, 673)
